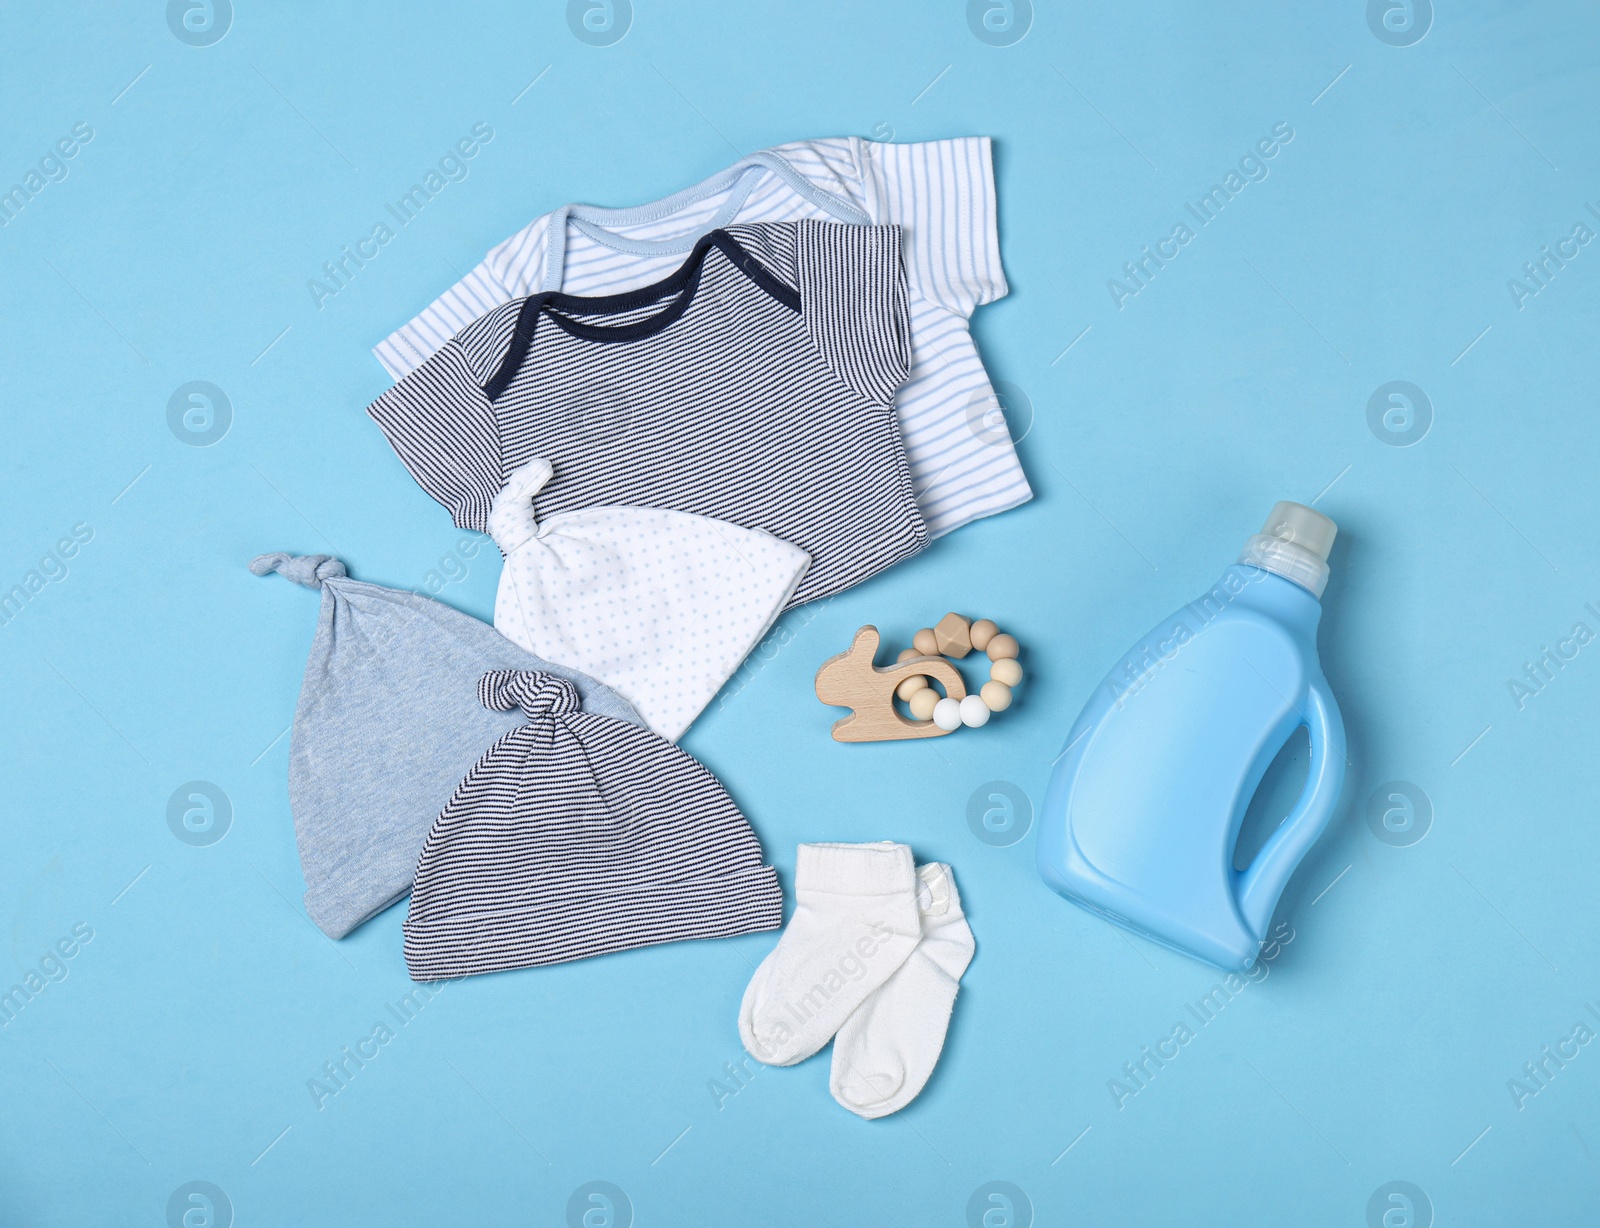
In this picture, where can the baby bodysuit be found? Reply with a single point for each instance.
(942, 195)
(754, 385)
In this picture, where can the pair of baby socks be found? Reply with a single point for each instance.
(872, 959)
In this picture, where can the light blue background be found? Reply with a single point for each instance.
(1419, 979)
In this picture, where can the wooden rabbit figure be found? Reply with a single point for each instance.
(850, 680)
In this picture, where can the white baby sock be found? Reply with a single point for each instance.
(886, 1051)
(854, 923)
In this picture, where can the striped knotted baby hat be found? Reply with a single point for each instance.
(578, 835)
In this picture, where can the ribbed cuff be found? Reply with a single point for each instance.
(855, 869)
(533, 934)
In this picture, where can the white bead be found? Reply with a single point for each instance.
(947, 713)
(973, 712)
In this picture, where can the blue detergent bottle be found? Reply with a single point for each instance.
(1144, 804)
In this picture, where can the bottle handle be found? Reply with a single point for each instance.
(1259, 886)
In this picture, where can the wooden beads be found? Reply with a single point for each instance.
(953, 635)
(911, 686)
(1003, 647)
(849, 679)
(956, 637)
(996, 695)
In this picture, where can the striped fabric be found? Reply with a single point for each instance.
(941, 194)
(754, 385)
(576, 835)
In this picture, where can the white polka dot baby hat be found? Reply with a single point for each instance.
(661, 606)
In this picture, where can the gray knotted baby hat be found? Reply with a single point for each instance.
(388, 723)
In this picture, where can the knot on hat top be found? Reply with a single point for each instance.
(537, 694)
(308, 569)
(511, 520)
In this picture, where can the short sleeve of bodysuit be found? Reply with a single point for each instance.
(443, 428)
(941, 193)
(853, 299)
(942, 196)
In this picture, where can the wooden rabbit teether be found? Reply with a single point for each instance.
(851, 680)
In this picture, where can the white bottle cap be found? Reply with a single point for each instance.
(1295, 544)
